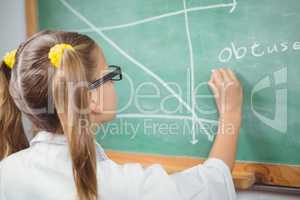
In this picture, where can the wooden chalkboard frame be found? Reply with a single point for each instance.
(244, 174)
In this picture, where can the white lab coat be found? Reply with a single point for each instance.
(44, 172)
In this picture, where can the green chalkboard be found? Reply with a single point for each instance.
(167, 49)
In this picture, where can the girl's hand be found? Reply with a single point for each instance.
(228, 93)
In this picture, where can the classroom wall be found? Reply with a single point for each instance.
(12, 23)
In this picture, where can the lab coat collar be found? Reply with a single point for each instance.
(48, 137)
(61, 139)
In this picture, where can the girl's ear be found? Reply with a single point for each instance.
(94, 104)
(95, 108)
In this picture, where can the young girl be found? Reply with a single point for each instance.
(46, 79)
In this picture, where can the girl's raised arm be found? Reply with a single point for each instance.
(229, 99)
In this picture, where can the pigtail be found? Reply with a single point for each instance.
(70, 101)
(12, 136)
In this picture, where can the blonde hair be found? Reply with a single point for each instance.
(42, 92)
(12, 136)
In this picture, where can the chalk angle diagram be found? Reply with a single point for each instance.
(100, 31)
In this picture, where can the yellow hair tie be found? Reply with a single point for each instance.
(56, 52)
(10, 58)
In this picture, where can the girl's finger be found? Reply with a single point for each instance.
(214, 88)
(217, 77)
(212, 80)
(232, 75)
(225, 75)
